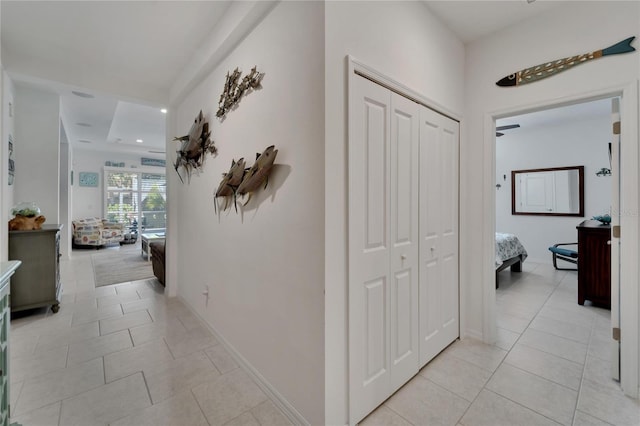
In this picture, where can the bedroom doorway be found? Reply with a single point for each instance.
(579, 134)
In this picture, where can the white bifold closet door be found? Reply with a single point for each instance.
(439, 290)
(395, 214)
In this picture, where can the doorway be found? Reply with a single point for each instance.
(570, 135)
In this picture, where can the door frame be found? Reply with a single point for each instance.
(629, 221)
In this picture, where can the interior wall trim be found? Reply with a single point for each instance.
(365, 71)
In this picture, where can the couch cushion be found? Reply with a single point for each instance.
(91, 221)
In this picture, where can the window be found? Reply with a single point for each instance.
(136, 198)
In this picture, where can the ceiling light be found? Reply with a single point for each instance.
(139, 140)
(163, 110)
(84, 141)
(82, 94)
(83, 124)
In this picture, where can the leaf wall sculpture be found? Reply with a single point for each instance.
(234, 91)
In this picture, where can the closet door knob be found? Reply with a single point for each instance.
(403, 256)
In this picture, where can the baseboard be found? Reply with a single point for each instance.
(474, 334)
(272, 393)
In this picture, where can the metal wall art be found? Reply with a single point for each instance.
(230, 182)
(548, 69)
(244, 182)
(234, 91)
(194, 147)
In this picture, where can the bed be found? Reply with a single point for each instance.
(509, 253)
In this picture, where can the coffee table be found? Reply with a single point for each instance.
(148, 238)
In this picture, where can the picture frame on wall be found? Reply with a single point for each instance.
(88, 179)
(12, 163)
(152, 162)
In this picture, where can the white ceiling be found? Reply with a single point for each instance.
(125, 53)
(471, 20)
(128, 55)
(551, 117)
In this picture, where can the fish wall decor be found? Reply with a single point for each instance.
(529, 75)
(241, 181)
(194, 147)
(230, 182)
(234, 89)
(258, 173)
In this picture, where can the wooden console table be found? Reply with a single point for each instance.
(594, 263)
(37, 282)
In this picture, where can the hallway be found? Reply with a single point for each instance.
(125, 355)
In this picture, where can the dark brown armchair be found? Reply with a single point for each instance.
(157, 259)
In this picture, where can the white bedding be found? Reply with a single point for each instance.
(507, 247)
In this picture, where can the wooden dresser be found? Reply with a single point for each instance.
(37, 282)
(594, 263)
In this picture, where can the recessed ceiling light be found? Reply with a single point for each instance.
(83, 124)
(139, 140)
(163, 110)
(84, 141)
(82, 94)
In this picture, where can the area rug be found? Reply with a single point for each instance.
(120, 266)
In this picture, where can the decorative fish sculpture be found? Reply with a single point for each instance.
(258, 173)
(230, 182)
(194, 147)
(548, 69)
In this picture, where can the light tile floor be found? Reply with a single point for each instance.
(549, 366)
(126, 355)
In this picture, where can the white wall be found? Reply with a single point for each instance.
(265, 266)
(575, 143)
(404, 41)
(89, 201)
(65, 194)
(546, 37)
(7, 190)
(37, 149)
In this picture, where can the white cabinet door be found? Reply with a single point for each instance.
(537, 191)
(438, 306)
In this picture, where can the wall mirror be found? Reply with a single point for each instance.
(549, 192)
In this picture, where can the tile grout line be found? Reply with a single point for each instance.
(200, 407)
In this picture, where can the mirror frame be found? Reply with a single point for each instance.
(553, 169)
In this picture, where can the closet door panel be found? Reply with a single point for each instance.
(369, 237)
(438, 288)
(405, 127)
(449, 201)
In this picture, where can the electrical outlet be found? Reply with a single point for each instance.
(205, 293)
